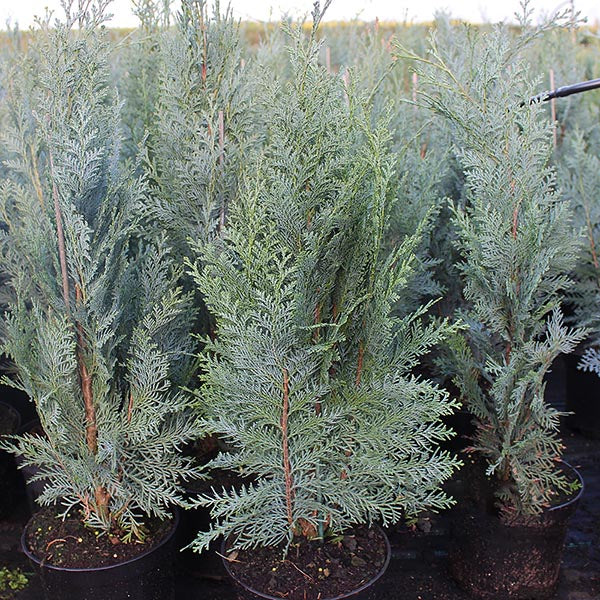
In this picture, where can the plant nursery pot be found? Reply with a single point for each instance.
(147, 576)
(494, 561)
(10, 421)
(193, 520)
(583, 388)
(365, 591)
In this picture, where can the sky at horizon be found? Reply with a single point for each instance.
(24, 11)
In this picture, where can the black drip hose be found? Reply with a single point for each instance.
(566, 90)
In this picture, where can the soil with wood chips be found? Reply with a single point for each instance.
(69, 543)
(312, 570)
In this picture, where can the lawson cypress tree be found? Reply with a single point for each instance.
(136, 74)
(517, 246)
(580, 178)
(301, 381)
(95, 323)
(203, 124)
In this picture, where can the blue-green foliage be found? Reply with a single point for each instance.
(517, 247)
(303, 362)
(204, 122)
(113, 314)
(580, 179)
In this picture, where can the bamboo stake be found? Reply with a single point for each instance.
(287, 468)
(221, 163)
(553, 111)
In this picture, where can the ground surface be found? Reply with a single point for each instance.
(418, 567)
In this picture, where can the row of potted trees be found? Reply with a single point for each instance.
(269, 239)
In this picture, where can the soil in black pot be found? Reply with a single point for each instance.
(496, 558)
(69, 543)
(312, 570)
(73, 563)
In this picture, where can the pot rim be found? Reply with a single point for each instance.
(349, 594)
(44, 565)
(575, 498)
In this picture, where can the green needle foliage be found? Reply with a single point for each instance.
(301, 381)
(204, 120)
(139, 64)
(96, 325)
(580, 178)
(517, 248)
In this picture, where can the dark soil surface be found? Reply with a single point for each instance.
(69, 543)
(418, 569)
(312, 571)
(478, 491)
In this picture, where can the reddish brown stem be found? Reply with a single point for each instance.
(287, 468)
(101, 494)
(130, 408)
(91, 428)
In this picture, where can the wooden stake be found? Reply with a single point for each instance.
(328, 58)
(553, 110)
(415, 87)
(287, 468)
(221, 163)
(61, 239)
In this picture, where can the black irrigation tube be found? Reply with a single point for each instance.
(566, 90)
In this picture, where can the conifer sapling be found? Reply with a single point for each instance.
(301, 380)
(96, 325)
(517, 250)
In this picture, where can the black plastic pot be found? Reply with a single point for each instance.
(368, 591)
(494, 561)
(148, 576)
(194, 520)
(10, 486)
(583, 389)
